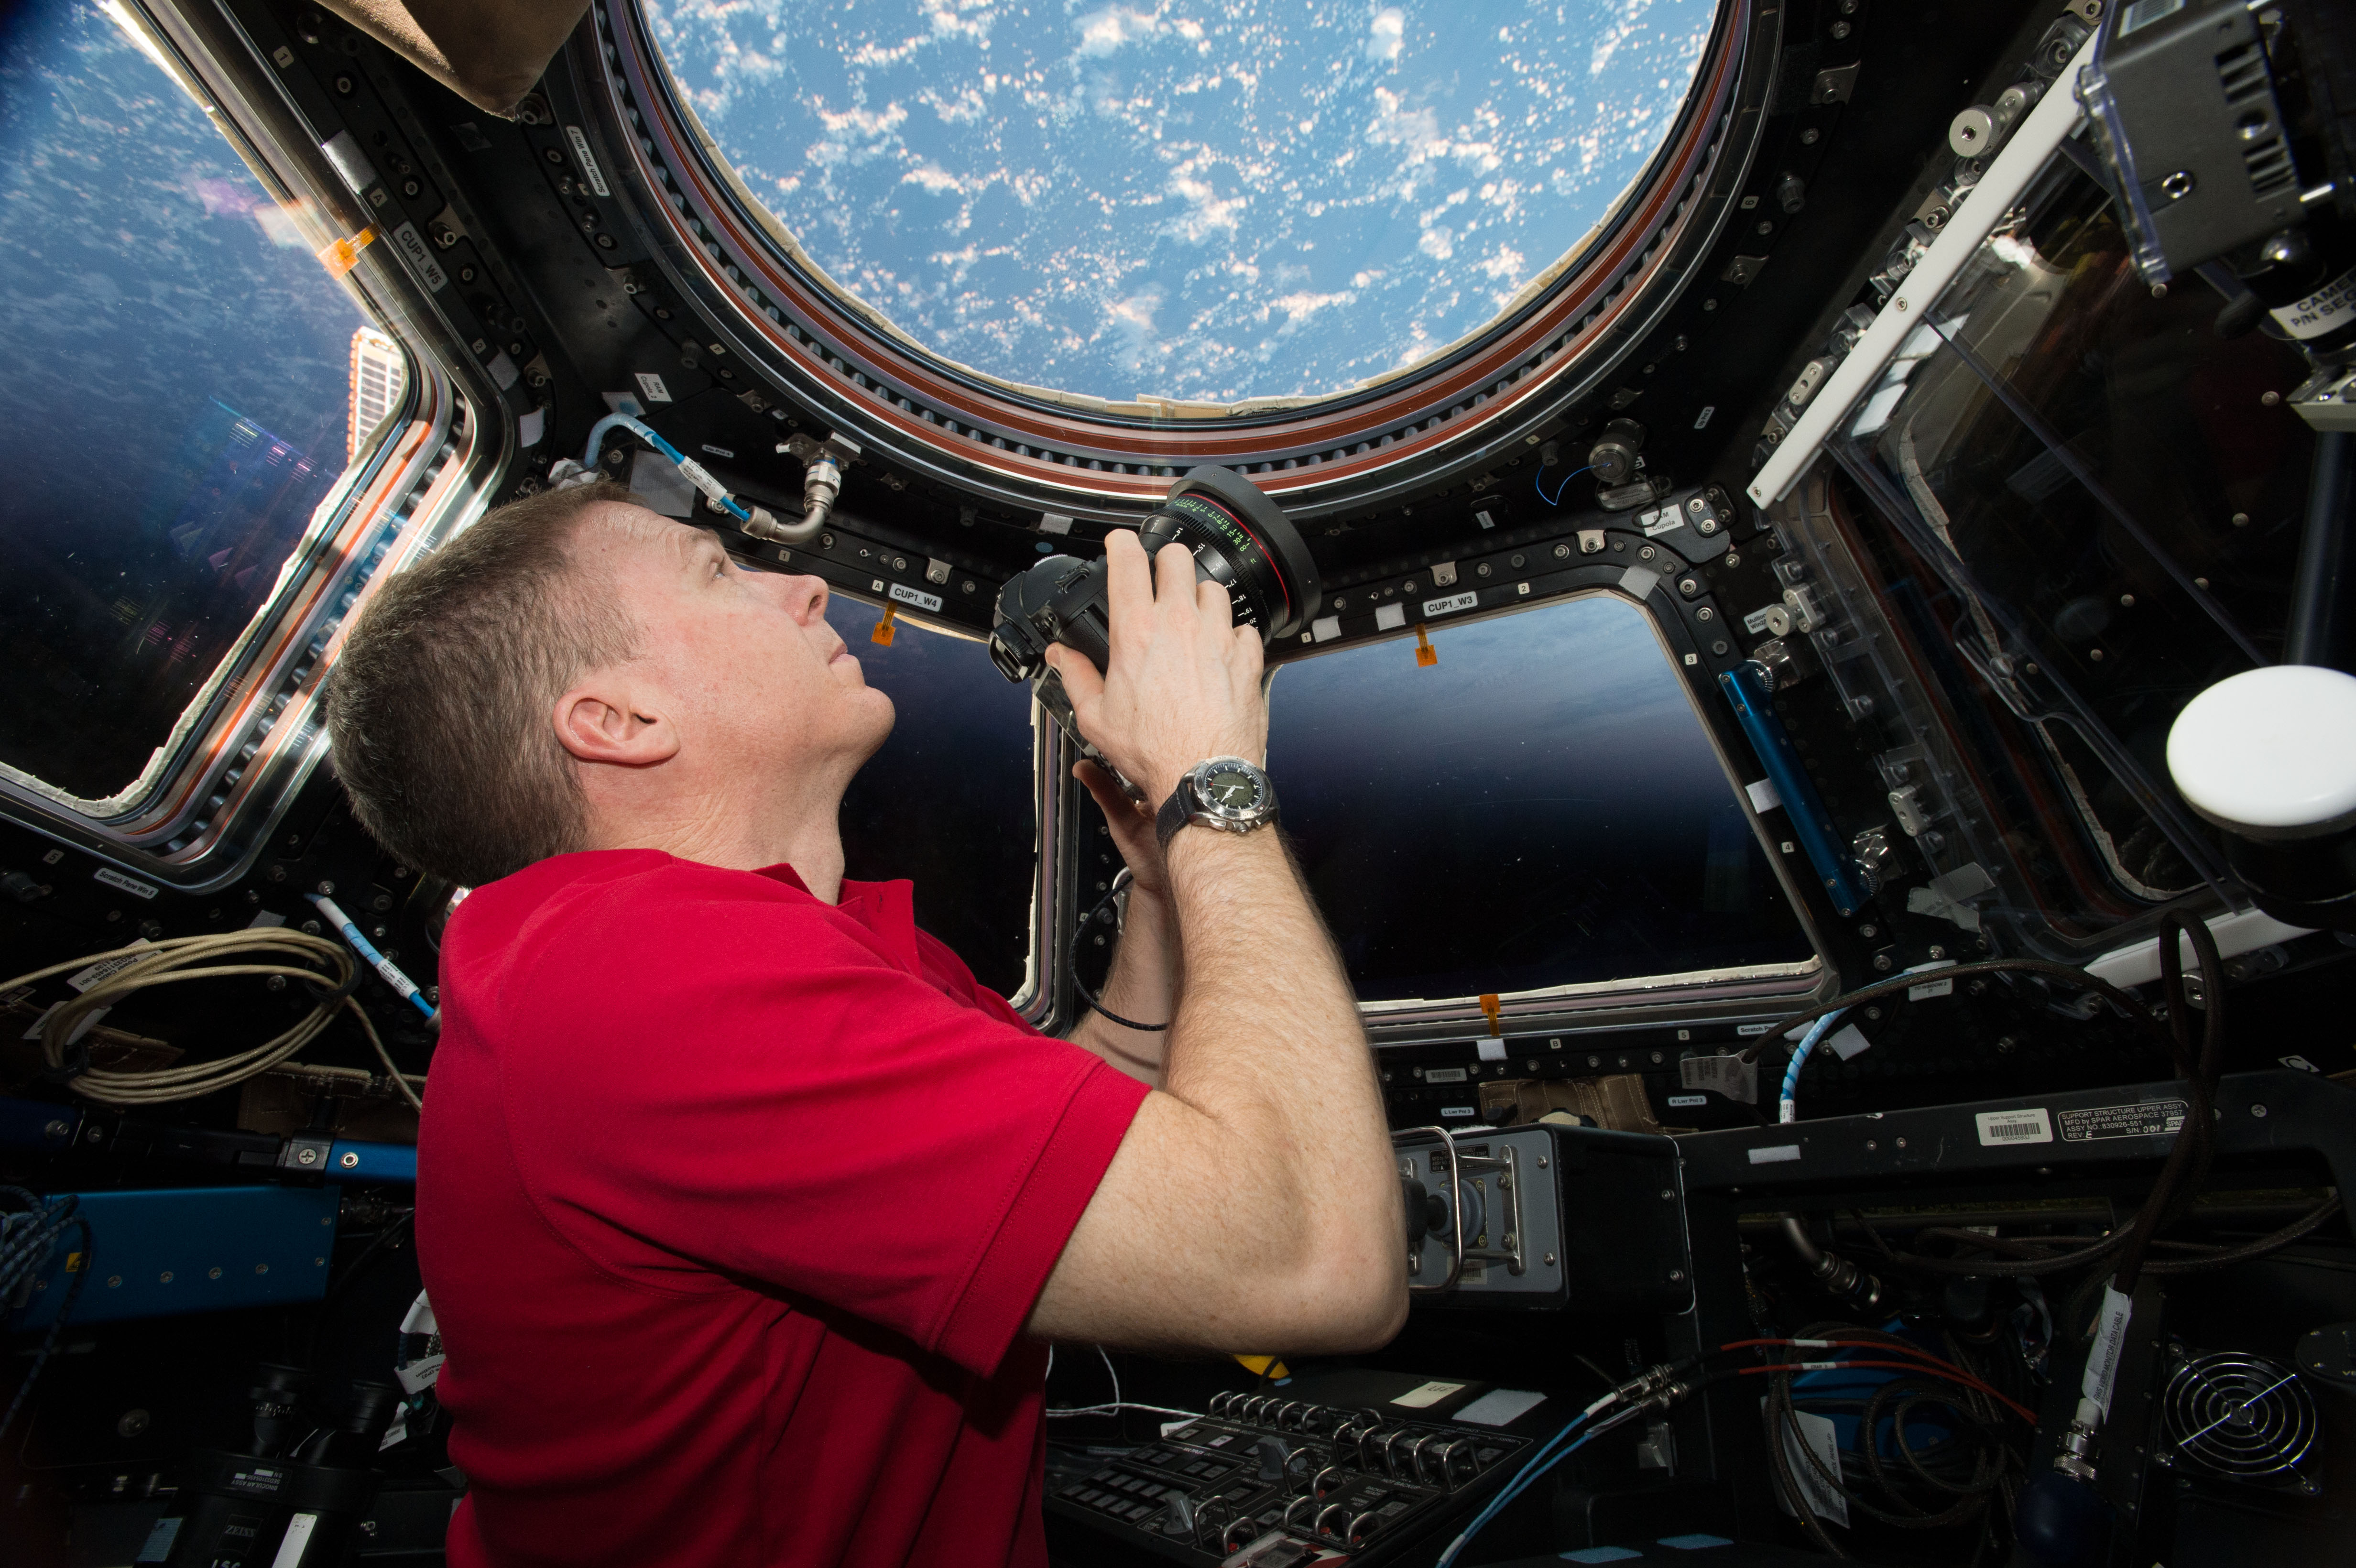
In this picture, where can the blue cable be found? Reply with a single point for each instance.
(696, 472)
(1537, 483)
(1545, 1459)
(375, 960)
(1790, 1109)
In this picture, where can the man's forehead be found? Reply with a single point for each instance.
(636, 528)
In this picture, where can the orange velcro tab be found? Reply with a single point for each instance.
(340, 256)
(1426, 656)
(886, 627)
(1496, 1010)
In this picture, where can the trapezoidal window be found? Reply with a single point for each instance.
(1542, 809)
(1183, 203)
(186, 386)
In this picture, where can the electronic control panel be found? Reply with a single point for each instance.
(1284, 1478)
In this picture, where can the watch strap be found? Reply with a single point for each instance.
(1176, 813)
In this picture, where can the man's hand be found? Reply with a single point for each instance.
(1132, 831)
(1183, 681)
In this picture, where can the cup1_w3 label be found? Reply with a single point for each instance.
(1999, 1128)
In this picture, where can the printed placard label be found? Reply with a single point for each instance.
(1450, 605)
(907, 595)
(2002, 1129)
(132, 885)
(2152, 1118)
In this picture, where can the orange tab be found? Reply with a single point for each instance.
(886, 627)
(340, 256)
(1496, 1010)
(1426, 656)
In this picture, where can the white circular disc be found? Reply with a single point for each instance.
(2271, 751)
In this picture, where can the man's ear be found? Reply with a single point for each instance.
(606, 721)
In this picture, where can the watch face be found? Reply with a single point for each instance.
(1231, 787)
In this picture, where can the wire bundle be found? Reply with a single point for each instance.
(326, 967)
(27, 1237)
(1935, 1488)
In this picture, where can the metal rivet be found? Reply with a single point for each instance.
(1902, 1143)
(351, 1161)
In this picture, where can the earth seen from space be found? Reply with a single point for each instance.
(1202, 200)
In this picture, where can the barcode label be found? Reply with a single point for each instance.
(1999, 1127)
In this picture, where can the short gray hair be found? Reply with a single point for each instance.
(438, 708)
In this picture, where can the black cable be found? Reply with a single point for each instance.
(1896, 983)
(388, 1237)
(1119, 880)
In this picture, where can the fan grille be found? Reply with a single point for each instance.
(2243, 1417)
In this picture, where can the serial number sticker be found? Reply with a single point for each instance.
(132, 885)
(1450, 605)
(2150, 1119)
(1775, 1154)
(1999, 1128)
(907, 595)
(1443, 1075)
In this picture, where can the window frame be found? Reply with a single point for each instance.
(1077, 456)
(1761, 990)
(211, 795)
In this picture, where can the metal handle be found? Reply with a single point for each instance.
(1456, 1207)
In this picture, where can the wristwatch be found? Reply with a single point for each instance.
(1226, 793)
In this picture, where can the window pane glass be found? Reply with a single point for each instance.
(1191, 200)
(949, 801)
(1542, 808)
(179, 387)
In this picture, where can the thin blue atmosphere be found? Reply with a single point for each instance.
(176, 398)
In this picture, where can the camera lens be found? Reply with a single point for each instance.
(1239, 539)
(1244, 543)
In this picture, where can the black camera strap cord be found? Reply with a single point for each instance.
(1102, 910)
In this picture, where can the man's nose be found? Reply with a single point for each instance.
(806, 598)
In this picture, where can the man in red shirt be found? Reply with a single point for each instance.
(746, 1214)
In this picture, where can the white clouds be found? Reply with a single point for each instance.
(1210, 201)
(1206, 213)
(938, 181)
(1103, 32)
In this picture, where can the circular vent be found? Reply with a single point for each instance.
(2241, 1417)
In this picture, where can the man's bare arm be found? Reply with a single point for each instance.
(488, 52)
(1253, 1204)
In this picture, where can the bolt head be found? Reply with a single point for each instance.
(351, 1160)
(2258, 1111)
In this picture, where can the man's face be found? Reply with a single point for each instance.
(752, 676)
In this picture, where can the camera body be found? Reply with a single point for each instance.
(1239, 539)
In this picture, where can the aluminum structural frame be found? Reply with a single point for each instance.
(1458, 415)
(252, 738)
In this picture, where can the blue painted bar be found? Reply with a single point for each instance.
(1746, 687)
(162, 1252)
(351, 1160)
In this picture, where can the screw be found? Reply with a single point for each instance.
(2240, 519)
(327, 890)
(1868, 931)
(1676, 1276)
(261, 1268)
(351, 1160)
(1902, 1143)
(1550, 1260)
(213, 1273)
(1542, 1162)
(1881, 961)
(2258, 1111)
(54, 1130)
(2270, 399)
(1872, 1144)
(1668, 1194)
(307, 1156)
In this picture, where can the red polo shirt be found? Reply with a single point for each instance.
(732, 1204)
